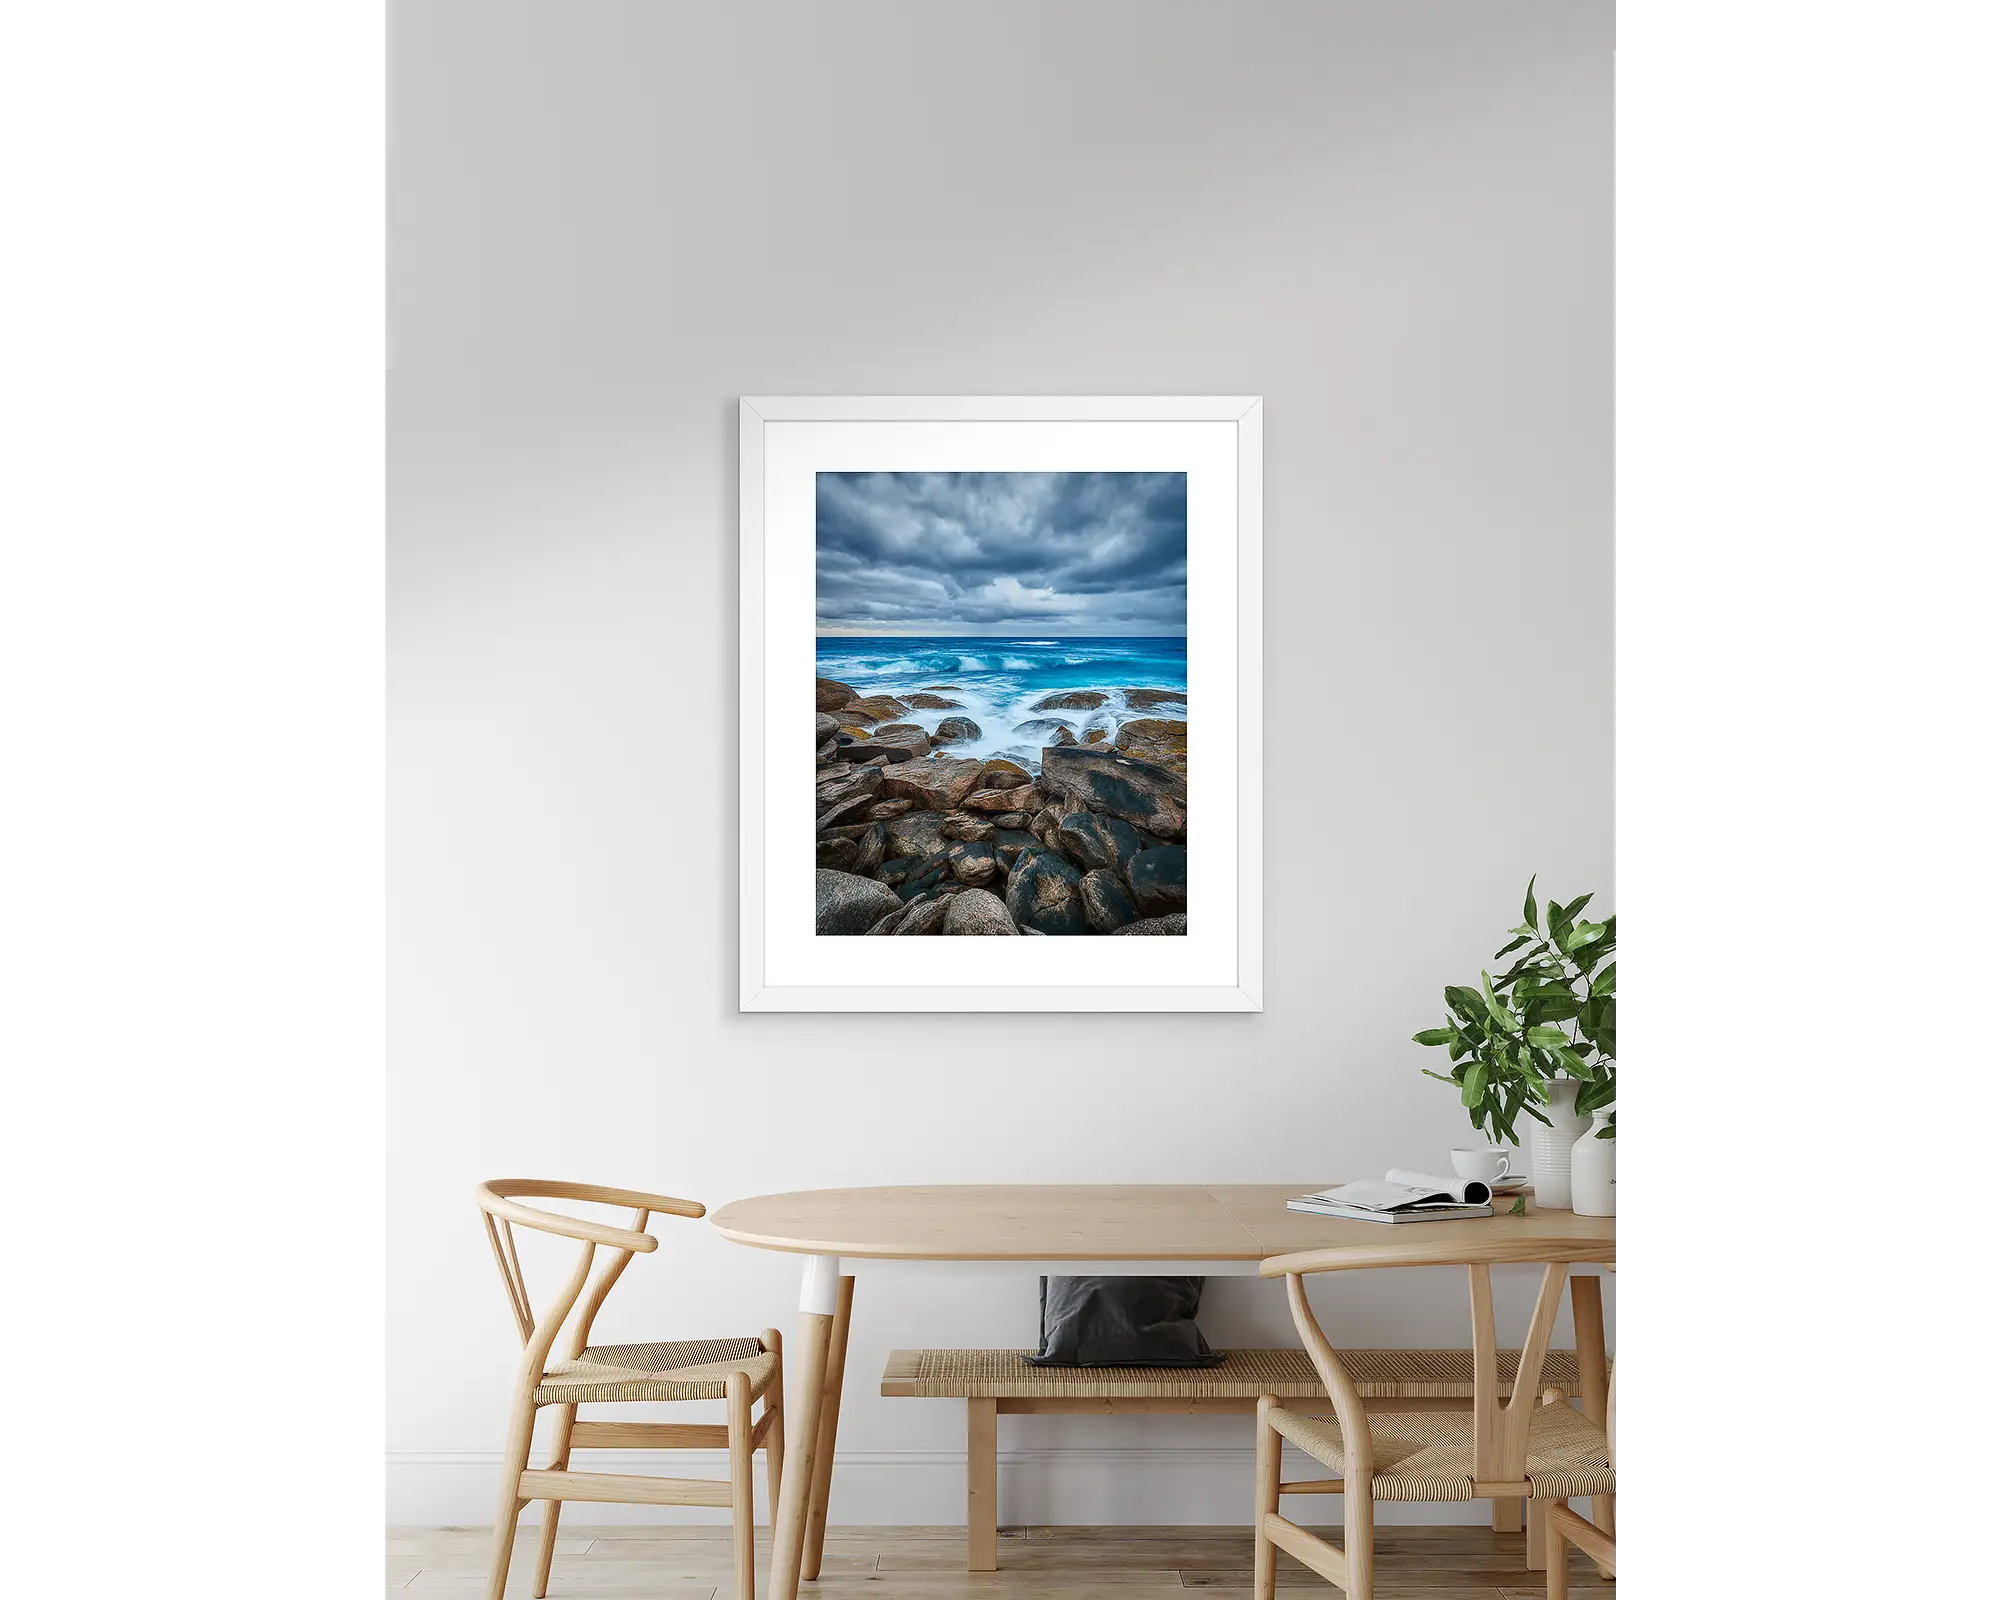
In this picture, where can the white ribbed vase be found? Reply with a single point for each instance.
(1593, 1170)
(1549, 1148)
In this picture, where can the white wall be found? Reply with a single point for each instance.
(1391, 220)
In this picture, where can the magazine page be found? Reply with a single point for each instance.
(1464, 1191)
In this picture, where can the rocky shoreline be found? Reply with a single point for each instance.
(912, 839)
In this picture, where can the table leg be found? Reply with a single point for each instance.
(829, 1426)
(819, 1300)
(1586, 1301)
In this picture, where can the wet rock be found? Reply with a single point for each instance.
(824, 728)
(844, 903)
(889, 923)
(956, 730)
(872, 845)
(1094, 842)
(927, 918)
(1106, 905)
(1099, 780)
(1096, 736)
(883, 810)
(1173, 924)
(835, 799)
(1042, 727)
(898, 871)
(876, 708)
(925, 880)
(977, 912)
(973, 863)
(1159, 880)
(1042, 893)
(916, 833)
(838, 853)
(872, 752)
(1062, 737)
(943, 688)
(1156, 740)
(1001, 800)
(1000, 773)
(1011, 819)
(939, 783)
(831, 696)
(1070, 700)
(963, 825)
(929, 702)
(906, 733)
(1147, 699)
(1008, 843)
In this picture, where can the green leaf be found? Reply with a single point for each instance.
(1553, 1010)
(1466, 1002)
(1515, 943)
(1606, 982)
(1593, 1096)
(1582, 934)
(1441, 1078)
(1548, 1038)
(1576, 905)
(1475, 1085)
(1501, 1014)
(1528, 913)
(1435, 1036)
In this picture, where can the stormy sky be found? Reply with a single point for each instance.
(1003, 552)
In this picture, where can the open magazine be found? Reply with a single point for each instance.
(1400, 1197)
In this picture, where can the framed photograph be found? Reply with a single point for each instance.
(1031, 632)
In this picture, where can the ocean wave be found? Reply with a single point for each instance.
(1016, 664)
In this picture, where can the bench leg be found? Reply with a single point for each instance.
(1506, 1516)
(982, 1486)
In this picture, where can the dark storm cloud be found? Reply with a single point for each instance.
(1003, 552)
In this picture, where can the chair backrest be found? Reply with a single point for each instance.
(1499, 1427)
(499, 1204)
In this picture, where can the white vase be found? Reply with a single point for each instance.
(1593, 1171)
(1549, 1148)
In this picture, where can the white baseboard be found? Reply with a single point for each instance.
(1190, 1487)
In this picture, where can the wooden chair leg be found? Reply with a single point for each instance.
(552, 1510)
(1556, 1557)
(1264, 1575)
(982, 1486)
(742, 1496)
(1506, 1516)
(1538, 1534)
(829, 1430)
(774, 1408)
(520, 1435)
(1360, 1540)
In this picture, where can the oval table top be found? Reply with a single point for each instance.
(1124, 1222)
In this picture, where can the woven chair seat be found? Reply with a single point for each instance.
(1241, 1375)
(694, 1369)
(1428, 1455)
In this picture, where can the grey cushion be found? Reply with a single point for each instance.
(1122, 1322)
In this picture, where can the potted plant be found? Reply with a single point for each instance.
(1540, 1038)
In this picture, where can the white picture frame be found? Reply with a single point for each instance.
(1218, 440)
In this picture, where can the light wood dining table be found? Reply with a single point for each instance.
(1096, 1230)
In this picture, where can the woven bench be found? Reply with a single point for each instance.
(995, 1383)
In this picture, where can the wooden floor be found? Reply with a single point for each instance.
(612, 1563)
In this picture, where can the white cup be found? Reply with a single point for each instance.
(1487, 1163)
